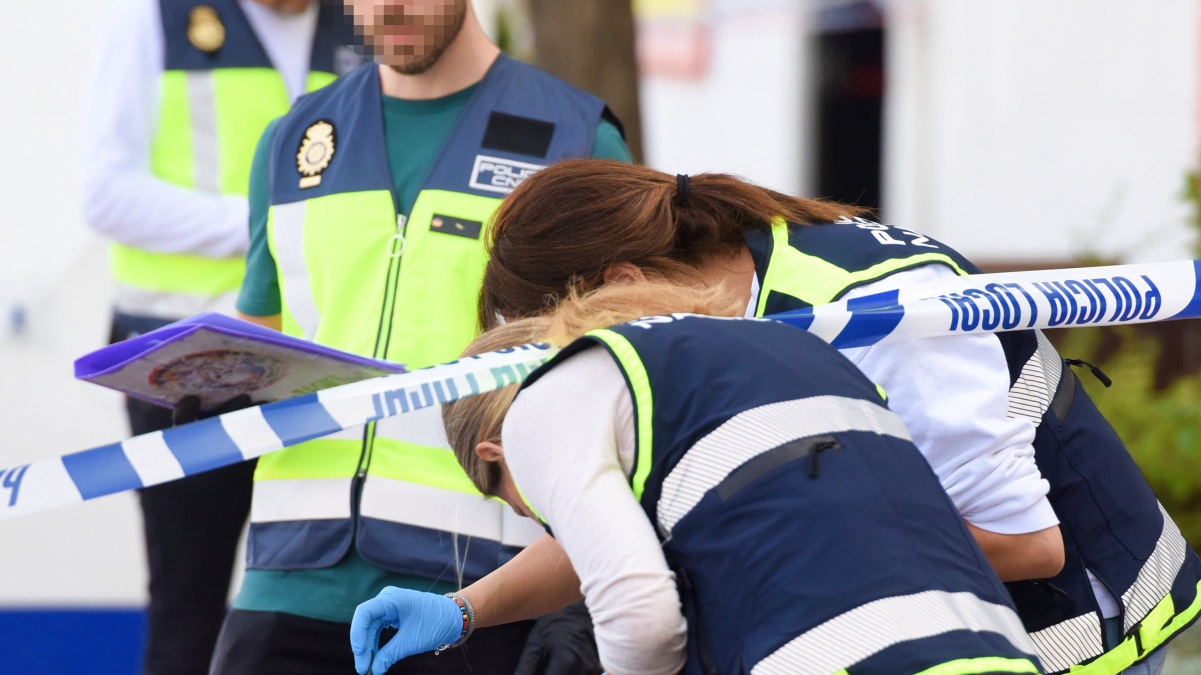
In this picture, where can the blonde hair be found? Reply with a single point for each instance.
(478, 419)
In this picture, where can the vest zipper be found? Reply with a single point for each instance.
(396, 248)
(1101, 377)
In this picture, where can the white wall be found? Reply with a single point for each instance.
(1025, 129)
(746, 116)
(1015, 129)
(55, 269)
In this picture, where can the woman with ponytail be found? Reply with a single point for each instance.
(715, 538)
(1012, 436)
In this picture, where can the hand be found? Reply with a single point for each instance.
(424, 621)
(561, 643)
(188, 408)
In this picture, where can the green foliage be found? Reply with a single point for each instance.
(1192, 195)
(1162, 429)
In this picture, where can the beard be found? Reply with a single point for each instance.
(438, 32)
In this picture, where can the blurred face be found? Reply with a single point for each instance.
(289, 6)
(409, 35)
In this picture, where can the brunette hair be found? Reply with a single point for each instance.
(563, 226)
(476, 419)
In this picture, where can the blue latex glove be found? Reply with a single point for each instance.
(425, 621)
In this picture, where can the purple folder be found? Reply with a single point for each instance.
(216, 358)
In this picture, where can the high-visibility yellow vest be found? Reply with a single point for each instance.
(217, 93)
(357, 275)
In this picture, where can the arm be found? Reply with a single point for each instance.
(259, 300)
(1033, 555)
(609, 143)
(537, 581)
(122, 198)
(953, 393)
(563, 439)
(274, 322)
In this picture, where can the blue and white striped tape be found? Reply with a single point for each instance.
(1093, 296)
(207, 444)
(988, 303)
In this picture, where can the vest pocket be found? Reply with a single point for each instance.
(810, 447)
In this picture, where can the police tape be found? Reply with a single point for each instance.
(988, 303)
(189, 449)
(1092, 296)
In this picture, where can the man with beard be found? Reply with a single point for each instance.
(367, 208)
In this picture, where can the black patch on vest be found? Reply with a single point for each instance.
(457, 226)
(519, 135)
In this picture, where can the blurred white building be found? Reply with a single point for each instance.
(1015, 130)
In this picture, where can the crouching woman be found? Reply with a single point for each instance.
(734, 496)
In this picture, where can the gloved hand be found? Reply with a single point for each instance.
(188, 408)
(561, 643)
(425, 621)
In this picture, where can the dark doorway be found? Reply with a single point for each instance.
(850, 63)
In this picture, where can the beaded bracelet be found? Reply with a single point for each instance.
(468, 621)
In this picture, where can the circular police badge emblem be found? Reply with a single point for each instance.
(205, 30)
(315, 152)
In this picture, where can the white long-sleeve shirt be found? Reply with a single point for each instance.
(122, 198)
(569, 444)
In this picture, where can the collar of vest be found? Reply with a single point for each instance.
(517, 120)
(241, 47)
(819, 263)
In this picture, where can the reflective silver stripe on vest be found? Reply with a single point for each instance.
(170, 305)
(1069, 642)
(1078, 639)
(853, 636)
(287, 245)
(202, 107)
(437, 509)
(300, 499)
(756, 431)
(1032, 393)
(1155, 578)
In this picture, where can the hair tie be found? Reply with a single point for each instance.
(681, 189)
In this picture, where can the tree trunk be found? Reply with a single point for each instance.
(590, 43)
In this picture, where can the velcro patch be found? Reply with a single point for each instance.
(519, 135)
(459, 227)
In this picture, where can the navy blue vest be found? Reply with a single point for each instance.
(1112, 524)
(803, 533)
(517, 114)
(241, 47)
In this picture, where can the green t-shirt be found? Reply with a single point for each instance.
(415, 131)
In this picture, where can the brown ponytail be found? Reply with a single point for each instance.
(569, 222)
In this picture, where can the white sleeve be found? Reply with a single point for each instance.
(122, 198)
(561, 441)
(953, 394)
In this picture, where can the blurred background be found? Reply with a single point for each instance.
(1025, 133)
